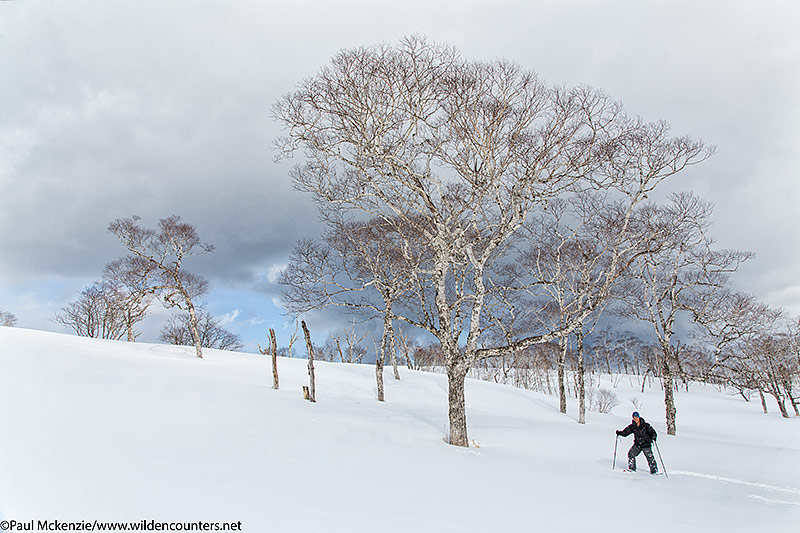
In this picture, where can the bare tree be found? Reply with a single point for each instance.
(755, 348)
(286, 351)
(99, 312)
(683, 279)
(579, 249)
(157, 260)
(7, 318)
(212, 334)
(461, 151)
(429, 356)
(771, 362)
(407, 345)
(135, 295)
(365, 267)
(347, 344)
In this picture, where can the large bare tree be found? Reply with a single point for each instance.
(156, 259)
(461, 151)
(683, 279)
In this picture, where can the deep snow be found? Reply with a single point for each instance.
(104, 430)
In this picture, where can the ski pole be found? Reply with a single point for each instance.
(664, 468)
(614, 464)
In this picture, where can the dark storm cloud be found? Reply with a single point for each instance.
(117, 114)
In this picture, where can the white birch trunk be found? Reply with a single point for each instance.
(274, 349)
(581, 381)
(193, 326)
(312, 393)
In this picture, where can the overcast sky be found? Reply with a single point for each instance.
(110, 108)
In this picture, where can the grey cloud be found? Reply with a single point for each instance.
(160, 107)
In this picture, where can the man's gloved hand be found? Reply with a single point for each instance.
(619, 432)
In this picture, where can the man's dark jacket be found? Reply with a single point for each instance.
(643, 434)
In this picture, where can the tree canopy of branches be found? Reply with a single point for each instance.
(755, 348)
(576, 249)
(345, 345)
(461, 152)
(213, 335)
(365, 267)
(684, 278)
(155, 263)
(99, 312)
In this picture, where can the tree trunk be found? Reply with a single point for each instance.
(312, 394)
(781, 406)
(193, 326)
(393, 352)
(668, 382)
(129, 326)
(581, 381)
(775, 392)
(379, 368)
(561, 364)
(274, 349)
(457, 406)
(787, 386)
(763, 400)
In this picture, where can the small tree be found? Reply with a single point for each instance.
(407, 345)
(346, 344)
(157, 258)
(212, 334)
(7, 319)
(602, 400)
(99, 312)
(286, 351)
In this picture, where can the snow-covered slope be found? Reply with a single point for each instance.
(115, 431)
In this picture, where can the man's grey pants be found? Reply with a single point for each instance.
(648, 453)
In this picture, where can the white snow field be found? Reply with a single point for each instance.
(114, 431)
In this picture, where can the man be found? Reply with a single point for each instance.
(643, 438)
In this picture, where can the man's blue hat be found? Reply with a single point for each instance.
(635, 414)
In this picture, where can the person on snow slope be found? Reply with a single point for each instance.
(643, 438)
